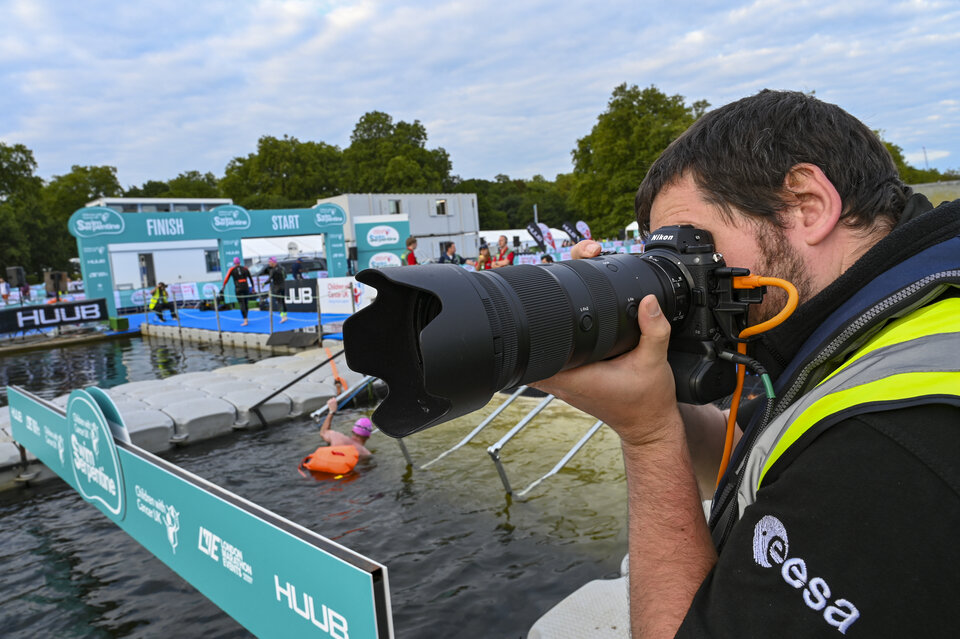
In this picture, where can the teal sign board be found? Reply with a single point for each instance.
(274, 577)
(381, 243)
(98, 227)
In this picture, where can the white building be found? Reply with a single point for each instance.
(435, 218)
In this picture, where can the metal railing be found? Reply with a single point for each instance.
(344, 396)
(494, 451)
(563, 461)
(256, 407)
(476, 430)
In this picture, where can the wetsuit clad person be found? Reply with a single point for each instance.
(361, 431)
(276, 277)
(242, 280)
(834, 514)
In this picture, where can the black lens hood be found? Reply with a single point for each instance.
(431, 365)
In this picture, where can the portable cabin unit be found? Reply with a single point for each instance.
(434, 219)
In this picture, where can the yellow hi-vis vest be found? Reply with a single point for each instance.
(159, 296)
(912, 360)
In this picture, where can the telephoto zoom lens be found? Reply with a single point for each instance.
(445, 339)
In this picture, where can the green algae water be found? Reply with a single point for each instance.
(464, 559)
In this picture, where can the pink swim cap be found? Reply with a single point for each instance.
(363, 427)
(236, 260)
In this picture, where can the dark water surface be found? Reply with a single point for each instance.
(463, 559)
(56, 371)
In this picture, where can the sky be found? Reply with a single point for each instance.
(159, 87)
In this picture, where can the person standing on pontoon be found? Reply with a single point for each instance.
(276, 276)
(242, 284)
(361, 431)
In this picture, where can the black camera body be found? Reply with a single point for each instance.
(445, 339)
(715, 313)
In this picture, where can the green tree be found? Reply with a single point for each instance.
(193, 184)
(388, 157)
(553, 207)
(20, 212)
(911, 174)
(150, 188)
(286, 171)
(612, 159)
(63, 195)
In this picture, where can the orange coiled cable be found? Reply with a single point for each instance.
(752, 281)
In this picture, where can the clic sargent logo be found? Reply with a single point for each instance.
(160, 512)
(770, 550)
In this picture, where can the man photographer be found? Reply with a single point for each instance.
(159, 302)
(837, 508)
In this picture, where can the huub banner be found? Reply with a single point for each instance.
(274, 577)
(25, 318)
(301, 296)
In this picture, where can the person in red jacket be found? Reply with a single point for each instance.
(504, 253)
(409, 258)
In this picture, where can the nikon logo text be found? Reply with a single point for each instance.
(770, 548)
(661, 237)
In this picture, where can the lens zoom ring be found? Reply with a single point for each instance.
(545, 304)
(606, 313)
(505, 328)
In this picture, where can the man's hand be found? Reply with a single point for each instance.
(635, 395)
(331, 405)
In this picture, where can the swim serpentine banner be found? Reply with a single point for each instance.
(274, 577)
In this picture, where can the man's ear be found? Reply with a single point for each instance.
(816, 208)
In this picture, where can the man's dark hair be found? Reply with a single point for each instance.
(739, 156)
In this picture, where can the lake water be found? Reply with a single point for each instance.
(464, 559)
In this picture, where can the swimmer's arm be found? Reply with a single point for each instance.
(328, 420)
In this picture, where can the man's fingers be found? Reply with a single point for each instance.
(654, 329)
(584, 249)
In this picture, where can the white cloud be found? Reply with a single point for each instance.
(921, 158)
(159, 88)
